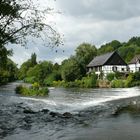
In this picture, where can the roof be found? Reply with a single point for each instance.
(100, 60)
(135, 59)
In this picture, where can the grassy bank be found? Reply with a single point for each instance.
(112, 80)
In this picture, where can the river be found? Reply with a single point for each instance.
(70, 114)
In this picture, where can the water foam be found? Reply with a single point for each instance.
(56, 105)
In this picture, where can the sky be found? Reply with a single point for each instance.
(92, 21)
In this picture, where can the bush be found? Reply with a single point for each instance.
(137, 76)
(55, 76)
(110, 76)
(4, 77)
(118, 84)
(129, 80)
(35, 86)
(19, 89)
(31, 91)
(119, 75)
(30, 79)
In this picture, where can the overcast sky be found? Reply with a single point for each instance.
(92, 21)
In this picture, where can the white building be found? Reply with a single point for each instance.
(134, 64)
(108, 63)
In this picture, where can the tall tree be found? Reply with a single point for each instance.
(23, 20)
(85, 52)
(20, 19)
(33, 59)
(70, 70)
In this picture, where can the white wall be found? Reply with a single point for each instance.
(109, 69)
(134, 67)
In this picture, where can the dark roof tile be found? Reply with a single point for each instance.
(100, 60)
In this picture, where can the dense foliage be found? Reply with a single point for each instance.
(20, 19)
(127, 50)
(75, 67)
(34, 90)
(20, 22)
(86, 82)
(72, 71)
(9, 72)
(43, 72)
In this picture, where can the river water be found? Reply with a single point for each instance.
(70, 114)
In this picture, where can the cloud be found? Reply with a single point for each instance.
(100, 9)
(92, 21)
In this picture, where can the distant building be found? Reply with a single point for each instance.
(134, 64)
(108, 63)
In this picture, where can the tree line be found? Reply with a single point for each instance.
(21, 21)
(74, 68)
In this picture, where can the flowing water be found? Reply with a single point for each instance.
(70, 114)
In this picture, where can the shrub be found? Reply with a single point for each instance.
(30, 79)
(118, 84)
(129, 80)
(110, 76)
(31, 91)
(19, 89)
(137, 76)
(119, 75)
(35, 86)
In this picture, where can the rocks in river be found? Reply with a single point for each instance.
(28, 111)
(64, 115)
(67, 115)
(45, 110)
(27, 119)
(54, 114)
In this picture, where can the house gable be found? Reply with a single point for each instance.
(115, 59)
(135, 60)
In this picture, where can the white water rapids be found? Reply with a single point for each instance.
(71, 100)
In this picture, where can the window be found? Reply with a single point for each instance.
(122, 69)
(96, 68)
(100, 68)
(128, 69)
(114, 68)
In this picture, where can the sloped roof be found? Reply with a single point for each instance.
(100, 60)
(135, 59)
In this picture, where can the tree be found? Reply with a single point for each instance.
(9, 72)
(39, 72)
(70, 70)
(24, 69)
(84, 54)
(33, 59)
(20, 19)
(4, 53)
(109, 47)
(30, 63)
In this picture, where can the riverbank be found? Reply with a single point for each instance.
(112, 80)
